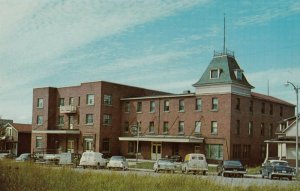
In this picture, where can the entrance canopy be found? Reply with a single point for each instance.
(164, 138)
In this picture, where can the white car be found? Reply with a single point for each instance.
(117, 162)
(92, 159)
(164, 165)
(23, 157)
(196, 163)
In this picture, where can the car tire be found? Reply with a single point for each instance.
(204, 173)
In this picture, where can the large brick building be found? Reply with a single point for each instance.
(223, 119)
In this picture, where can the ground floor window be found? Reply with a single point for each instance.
(246, 151)
(214, 151)
(88, 144)
(39, 142)
(132, 147)
(105, 145)
(237, 150)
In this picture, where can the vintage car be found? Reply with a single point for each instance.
(23, 157)
(231, 168)
(68, 158)
(117, 162)
(196, 163)
(92, 159)
(277, 168)
(164, 165)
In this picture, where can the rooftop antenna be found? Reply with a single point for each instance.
(224, 48)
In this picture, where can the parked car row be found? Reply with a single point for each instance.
(194, 162)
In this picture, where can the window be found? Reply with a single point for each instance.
(246, 151)
(78, 101)
(263, 151)
(166, 105)
(38, 142)
(71, 101)
(107, 119)
(214, 151)
(127, 107)
(215, 103)
(151, 127)
(214, 127)
(181, 105)
(197, 127)
(105, 145)
(40, 103)
(132, 147)
(251, 106)
(250, 128)
(107, 99)
(237, 150)
(126, 126)
(271, 109)
(139, 107)
(61, 102)
(88, 144)
(181, 127)
(90, 99)
(166, 127)
(270, 133)
(89, 119)
(39, 120)
(281, 111)
(263, 107)
(238, 74)
(238, 103)
(238, 127)
(70, 145)
(198, 104)
(262, 129)
(152, 106)
(71, 122)
(214, 73)
(60, 120)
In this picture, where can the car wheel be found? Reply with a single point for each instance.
(204, 173)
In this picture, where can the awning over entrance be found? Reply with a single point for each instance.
(63, 132)
(165, 138)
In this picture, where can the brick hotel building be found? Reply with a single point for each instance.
(223, 118)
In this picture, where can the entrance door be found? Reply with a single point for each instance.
(156, 151)
(70, 146)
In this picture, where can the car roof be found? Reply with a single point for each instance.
(278, 161)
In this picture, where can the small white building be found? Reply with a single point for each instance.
(286, 140)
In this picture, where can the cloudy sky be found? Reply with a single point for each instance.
(157, 44)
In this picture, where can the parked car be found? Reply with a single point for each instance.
(164, 165)
(176, 158)
(23, 157)
(92, 159)
(117, 162)
(4, 155)
(196, 163)
(231, 168)
(69, 159)
(277, 168)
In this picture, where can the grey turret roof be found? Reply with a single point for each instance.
(227, 65)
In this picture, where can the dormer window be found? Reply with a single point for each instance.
(214, 73)
(238, 74)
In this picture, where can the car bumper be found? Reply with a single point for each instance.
(234, 172)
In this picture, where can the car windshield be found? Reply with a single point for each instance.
(279, 163)
(161, 161)
(117, 158)
(232, 163)
(197, 158)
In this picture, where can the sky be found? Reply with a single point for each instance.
(156, 44)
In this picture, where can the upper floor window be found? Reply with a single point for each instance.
(152, 106)
(166, 127)
(127, 107)
(214, 73)
(107, 119)
(250, 128)
(214, 127)
(39, 120)
(40, 103)
(197, 127)
(139, 107)
(238, 103)
(181, 127)
(215, 104)
(89, 119)
(60, 120)
(238, 74)
(251, 106)
(262, 129)
(281, 111)
(271, 131)
(238, 127)
(71, 101)
(126, 126)
(151, 127)
(166, 105)
(90, 99)
(263, 107)
(107, 99)
(271, 109)
(198, 104)
(61, 102)
(181, 105)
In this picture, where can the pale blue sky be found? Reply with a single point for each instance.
(163, 45)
